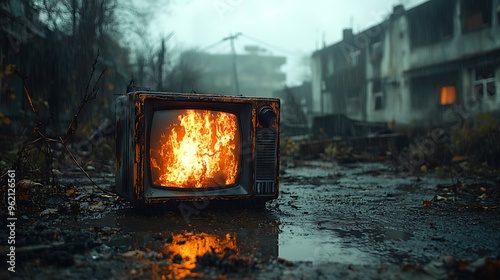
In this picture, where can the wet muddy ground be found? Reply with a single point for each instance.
(358, 221)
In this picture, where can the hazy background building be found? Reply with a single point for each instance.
(257, 73)
(415, 66)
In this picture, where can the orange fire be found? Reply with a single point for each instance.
(200, 149)
(189, 246)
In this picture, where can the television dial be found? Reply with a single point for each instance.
(267, 116)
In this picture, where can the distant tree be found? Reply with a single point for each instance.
(80, 28)
(89, 25)
(186, 73)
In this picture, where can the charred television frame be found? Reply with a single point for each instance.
(258, 125)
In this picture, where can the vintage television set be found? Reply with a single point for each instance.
(175, 147)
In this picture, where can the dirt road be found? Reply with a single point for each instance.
(355, 221)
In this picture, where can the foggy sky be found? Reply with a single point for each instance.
(291, 28)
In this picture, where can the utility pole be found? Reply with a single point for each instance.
(161, 60)
(235, 72)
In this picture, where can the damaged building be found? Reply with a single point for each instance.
(415, 67)
(18, 25)
(257, 74)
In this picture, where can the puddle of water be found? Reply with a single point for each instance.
(319, 247)
(251, 234)
(255, 232)
(209, 235)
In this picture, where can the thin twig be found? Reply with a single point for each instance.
(29, 100)
(95, 89)
(24, 77)
(94, 64)
(89, 96)
(81, 168)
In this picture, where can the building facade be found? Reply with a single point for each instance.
(18, 25)
(256, 74)
(415, 67)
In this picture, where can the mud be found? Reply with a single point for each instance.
(353, 221)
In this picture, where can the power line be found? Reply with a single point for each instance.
(223, 49)
(212, 45)
(272, 46)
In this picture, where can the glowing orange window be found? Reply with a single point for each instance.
(448, 95)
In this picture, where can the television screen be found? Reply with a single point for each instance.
(194, 148)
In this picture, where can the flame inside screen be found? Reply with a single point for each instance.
(193, 148)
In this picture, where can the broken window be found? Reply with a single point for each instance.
(476, 14)
(355, 57)
(431, 22)
(447, 95)
(378, 95)
(329, 65)
(376, 52)
(484, 84)
(430, 90)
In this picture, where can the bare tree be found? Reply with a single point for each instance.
(80, 27)
(186, 73)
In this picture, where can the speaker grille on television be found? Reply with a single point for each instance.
(265, 160)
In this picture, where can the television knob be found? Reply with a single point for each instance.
(267, 116)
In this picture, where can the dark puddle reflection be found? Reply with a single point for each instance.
(306, 243)
(205, 238)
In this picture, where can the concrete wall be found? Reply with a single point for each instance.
(395, 60)
(317, 77)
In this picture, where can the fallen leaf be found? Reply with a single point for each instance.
(439, 198)
(427, 203)
(57, 173)
(458, 159)
(98, 206)
(27, 184)
(134, 253)
(70, 192)
(483, 196)
(49, 211)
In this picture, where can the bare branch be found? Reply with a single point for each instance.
(26, 92)
(81, 168)
(88, 97)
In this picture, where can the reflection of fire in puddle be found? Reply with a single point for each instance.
(185, 247)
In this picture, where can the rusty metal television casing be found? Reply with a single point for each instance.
(159, 160)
